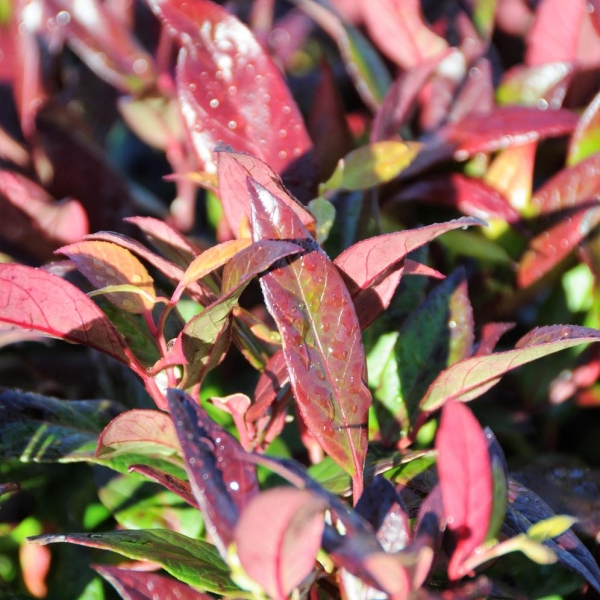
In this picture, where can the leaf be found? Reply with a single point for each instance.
(550, 528)
(363, 63)
(191, 561)
(105, 264)
(466, 481)
(135, 431)
(104, 43)
(243, 99)
(233, 169)
(141, 585)
(437, 334)
(372, 165)
(585, 140)
(42, 429)
(222, 482)
(35, 300)
(325, 359)
(211, 259)
(35, 222)
(176, 247)
(278, 536)
(499, 484)
(174, 484)
(505, 127)
(471, 377)
(574, 192)
(469, 195)
(370, 267)
(383, 507)
(490, 334)
(526, 508)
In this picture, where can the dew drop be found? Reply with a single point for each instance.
(266, 97)
(286, 110)
(297, 152)
(140, 66)
(63, 18)
(250, 68)
(205, 476)
(452, 324)
(283, 133)
(320, 375)
(192, 461)
(192, 87)
(219, 75)
(214, 103)
(258, 78)
(234, 485)
(232, 90)
(282, 154)
(232, 124)
(136, 278)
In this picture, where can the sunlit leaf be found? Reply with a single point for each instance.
(278, 536)
(466, 481)
(585, 140)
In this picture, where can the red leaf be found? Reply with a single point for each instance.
(321, 336)
(391, 20)
(373, 267)
(469, 378)
(574, 191)
(272, 385)
(278, 536)
(140, 585)
(234, 168)
(504, 127)
(231, 91)
(177, 486)
(490, 334)
(466, 481)
(469, 195)
(34, 221)
(586, 137)
(562, 32)
(103, 42)
(35, 300)
(167, 240)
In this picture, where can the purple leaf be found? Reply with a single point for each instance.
(222, 482)
(473, 376)
(35, 300)
(177, 486)
(466, 481)
(141, 585)
(321, 336)
(526, 508)
(278, 537)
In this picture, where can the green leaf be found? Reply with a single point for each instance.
(192, 561)
(550, 528)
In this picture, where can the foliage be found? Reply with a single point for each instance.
(287, 409)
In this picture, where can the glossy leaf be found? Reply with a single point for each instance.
(390, 20)
(222, 482)
(585, 140)
(233, 169)
(105, 264)
(371, 268)
(511, 174)
(325, 361)
(135, 430)
(174, 484)
(278, 536)
(490, 334)
(470, 196)
(191, 561)
(242, 100)
(525, 509)
(35, 300)
(211, 259)
(103, 43)
(42, 429)
(141, 585)
(574, 192)
(174, 246)
(364, 65)
(472, 377)
(33, 221)
(499, 484)
(466, 482)
(505, 127)
(372, 165)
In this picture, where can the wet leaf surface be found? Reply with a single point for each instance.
(192, 561)
(320, 334)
